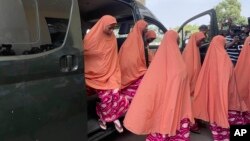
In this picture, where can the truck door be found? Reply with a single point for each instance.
(41, 86)
(192, 25)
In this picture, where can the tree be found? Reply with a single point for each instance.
(190, 28)
(230, 9)
(187, 31)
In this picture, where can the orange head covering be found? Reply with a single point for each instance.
(215, 86)
(191, 55)
(163, 97)
(150, 34)
(242, 73)
(131, 55)
(102, 69)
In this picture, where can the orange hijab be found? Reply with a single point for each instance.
(102, 70)
(131, 55)
(242, 73)
(215, 86)
(163, 97)
(191, 55)
(150, 35)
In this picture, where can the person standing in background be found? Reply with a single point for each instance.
(232, 46)
(203, 29)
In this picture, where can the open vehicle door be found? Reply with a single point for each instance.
(41, 86)
(207, 18)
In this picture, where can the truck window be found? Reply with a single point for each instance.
(192, 27)
(33, 27)
(57, 29)
(205, 19)
(19, 22)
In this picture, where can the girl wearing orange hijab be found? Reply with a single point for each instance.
(102, 71)
(150, 37)
(162, 104)
(132, 60)
(191, 55)
(242, 74)
(215, 89)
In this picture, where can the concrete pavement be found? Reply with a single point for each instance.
(127, 136)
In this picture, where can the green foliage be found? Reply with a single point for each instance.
(230, 9)
(190, 28)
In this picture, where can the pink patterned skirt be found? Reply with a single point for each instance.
(112, 105)
(235, 118)
(246, 117)
(129, 91)
(219, 133)
(181, 135)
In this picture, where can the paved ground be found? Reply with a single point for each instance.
(127, 136)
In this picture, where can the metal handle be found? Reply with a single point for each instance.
(68, 63)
